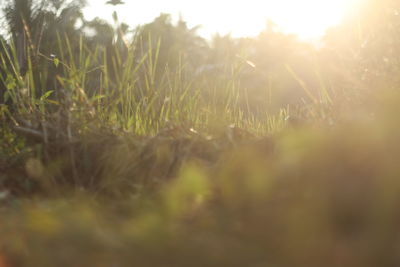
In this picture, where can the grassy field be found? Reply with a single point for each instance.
(130, 166)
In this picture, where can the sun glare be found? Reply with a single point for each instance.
(308, 19)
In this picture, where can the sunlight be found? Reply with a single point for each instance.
(308, 19)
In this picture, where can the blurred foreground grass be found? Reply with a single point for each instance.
(310, 195)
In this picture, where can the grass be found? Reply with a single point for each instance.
(308, 197)
(133, 166)
(94, 106)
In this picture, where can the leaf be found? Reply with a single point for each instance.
(52, 102)
(98, 97)
(56, 61)
(46, 95)
(11, 84)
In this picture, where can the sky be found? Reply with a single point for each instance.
(307, 18)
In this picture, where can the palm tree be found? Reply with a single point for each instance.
(177, 41)
(34, 27)
(34, 24)
(19, 15)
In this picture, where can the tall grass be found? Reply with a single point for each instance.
(131, 97)
(109, 159)
(78, 103)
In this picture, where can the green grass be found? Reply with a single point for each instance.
(96, 103)
(121, 164)
(308, 197)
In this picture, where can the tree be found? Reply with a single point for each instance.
(35, 25)
(175, 43)
(369, 41)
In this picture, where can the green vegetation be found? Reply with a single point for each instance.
(154, 147)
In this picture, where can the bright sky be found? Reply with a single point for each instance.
(307, 18)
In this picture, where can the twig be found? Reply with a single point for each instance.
(29, 132)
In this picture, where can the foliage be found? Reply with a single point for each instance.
(306, 197)
(155, 147)
(371, 47)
